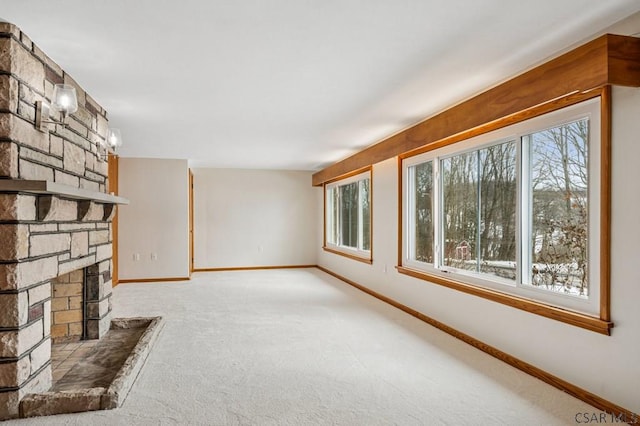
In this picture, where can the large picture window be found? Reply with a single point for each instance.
(516, 210)
(348, 216)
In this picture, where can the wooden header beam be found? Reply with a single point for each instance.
(607, 60)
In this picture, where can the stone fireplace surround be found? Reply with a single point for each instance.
(55, 216)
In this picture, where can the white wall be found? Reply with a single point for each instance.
(246, 218)
(156, 220)
(274, 218)
(604, 365)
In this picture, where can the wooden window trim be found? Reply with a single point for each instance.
(113, 173)
(368, 259)
(601, 324)
(569, 317)
(191, 224)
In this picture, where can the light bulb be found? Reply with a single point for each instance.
(114, 138)
(64, 99)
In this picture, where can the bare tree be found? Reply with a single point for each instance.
(480, 210)
(423, 184)
(560, 195)
(460, 208)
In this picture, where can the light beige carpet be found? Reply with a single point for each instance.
(298, 347)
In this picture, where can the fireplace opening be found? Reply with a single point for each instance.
(80, 303)
(67, 308)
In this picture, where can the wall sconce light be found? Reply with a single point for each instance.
(64, 100)
(112, 142)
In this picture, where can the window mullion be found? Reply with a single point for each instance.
(437, 214)
(409, 214)
(329, 214)
(360, 215)
(524, 243)
(479, 210)
(339, 216)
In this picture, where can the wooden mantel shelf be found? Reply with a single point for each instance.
(45, 187)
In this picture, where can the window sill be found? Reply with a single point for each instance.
(348, 255)
(573, 318)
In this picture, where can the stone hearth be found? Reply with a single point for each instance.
(55, 219)
(96, 374)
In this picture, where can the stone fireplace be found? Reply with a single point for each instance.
(55, 222)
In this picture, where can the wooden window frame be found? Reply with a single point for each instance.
(602, 323)
(334, 249)
(113, 166)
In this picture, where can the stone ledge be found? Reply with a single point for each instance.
(46, 187)
(123, 382)
(49, 403)
(99, 398)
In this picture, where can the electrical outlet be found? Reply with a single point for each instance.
(154, 256)
(136, 257)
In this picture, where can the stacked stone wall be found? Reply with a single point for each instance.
(64, 154)
(45, 236)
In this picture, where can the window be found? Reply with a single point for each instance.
(348, 216)
(516, 210)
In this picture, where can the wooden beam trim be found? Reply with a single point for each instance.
(367, 168)
(623, 60)
(609, 59)
(529, 113)
(113, 168)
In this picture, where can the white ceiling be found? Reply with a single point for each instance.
(293, 84)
